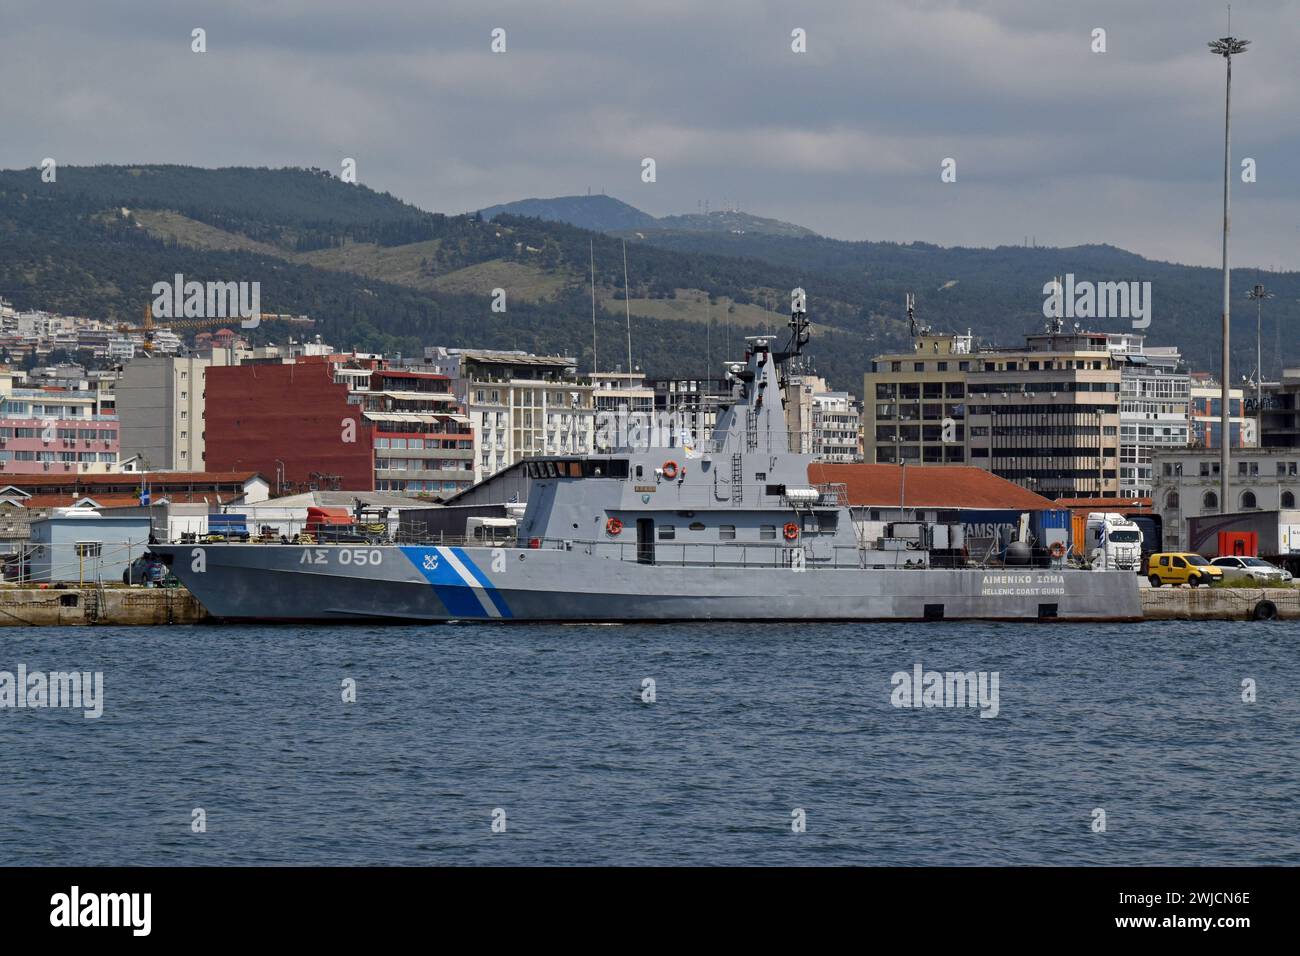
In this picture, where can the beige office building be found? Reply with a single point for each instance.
(1046, 415)
(907, 396)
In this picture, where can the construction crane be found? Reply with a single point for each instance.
(150, 327)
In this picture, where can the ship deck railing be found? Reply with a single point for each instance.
(775, 554)
(778, 554)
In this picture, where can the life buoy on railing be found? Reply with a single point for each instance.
(670, 469)
(791, 531)
(1057, 550)
(613, 527)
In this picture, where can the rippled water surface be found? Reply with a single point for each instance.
(749, 723)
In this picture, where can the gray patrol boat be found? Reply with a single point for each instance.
(665, 528)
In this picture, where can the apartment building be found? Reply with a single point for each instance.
(616, 390)
(696, 402)
(423, 441)
(55, 429)
(1279, 412)
(1154, 403)
(160, 400)
(519, 404)
(836, 427)
(907, 397)
(1205, 415)
(823, 422)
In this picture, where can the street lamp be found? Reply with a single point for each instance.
(1226, 47)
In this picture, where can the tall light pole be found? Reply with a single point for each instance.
(1226, 47)
(1259, 294)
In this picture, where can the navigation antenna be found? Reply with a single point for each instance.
(591, 249)
(788, 360)
(799, 333)
(627, 305)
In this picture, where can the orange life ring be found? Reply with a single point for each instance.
(670, 469)
(791, 531)
(1057, 550)
(613, 527)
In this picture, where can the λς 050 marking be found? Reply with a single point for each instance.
(346, 556)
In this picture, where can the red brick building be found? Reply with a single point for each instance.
(292, 423)
(330, 423)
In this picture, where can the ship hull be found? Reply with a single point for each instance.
(248, 582)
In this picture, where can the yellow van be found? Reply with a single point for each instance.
(1180, 567)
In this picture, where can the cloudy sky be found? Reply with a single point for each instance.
(1051, 140)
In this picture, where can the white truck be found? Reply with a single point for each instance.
(1113, 543)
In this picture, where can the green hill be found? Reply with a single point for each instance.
(606, 214)
(598, 213)
(382, 275)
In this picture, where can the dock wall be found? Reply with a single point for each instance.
(1220, 604)
(34, 607)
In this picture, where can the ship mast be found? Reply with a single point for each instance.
(799, 329)
(799, 335)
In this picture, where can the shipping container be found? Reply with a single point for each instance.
(1275, 534)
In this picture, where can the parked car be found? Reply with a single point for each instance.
(1168, 567)
(149, 571)
(1254, 569)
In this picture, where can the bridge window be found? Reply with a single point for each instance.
(605, 468)
(727, 532)
(667, 532)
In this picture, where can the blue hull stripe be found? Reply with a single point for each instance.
(488, 586)
(465, 595)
